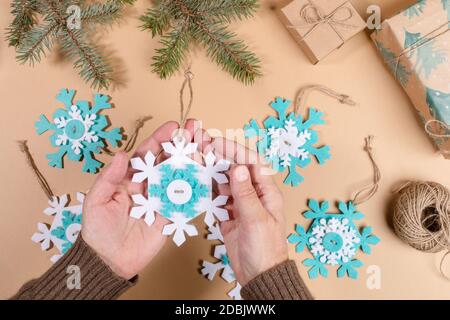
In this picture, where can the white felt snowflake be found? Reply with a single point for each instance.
(65, 227)
(287, 142)
(209, 269)
(180, 189)
(337, 232)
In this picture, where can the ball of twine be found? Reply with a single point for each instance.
(422, 216)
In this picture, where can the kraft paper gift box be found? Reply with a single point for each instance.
(415, 45)
(321, 26)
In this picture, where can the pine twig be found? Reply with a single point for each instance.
(179, 22)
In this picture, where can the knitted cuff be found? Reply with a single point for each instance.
(95, 279)
(282, 282)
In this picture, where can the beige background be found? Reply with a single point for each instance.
(402, 150)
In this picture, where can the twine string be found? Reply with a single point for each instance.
(370, 190)
(302, 95)
(184, 111)
(420, 43)
(422, 217)
(39, 176)
(429, 131)
(314, 17)
(139, 123)
(413, 47)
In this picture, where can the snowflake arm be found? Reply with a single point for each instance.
(349, 269)
(213, 209)
(368, 239)
(146, 207)
(299, 238)
(178, 228)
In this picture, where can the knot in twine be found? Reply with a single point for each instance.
(445, 128)
(422, 217)
(314, 17)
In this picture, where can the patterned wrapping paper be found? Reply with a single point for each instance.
(415, 45)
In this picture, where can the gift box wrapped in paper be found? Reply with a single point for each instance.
(321, 26)
(415, 45)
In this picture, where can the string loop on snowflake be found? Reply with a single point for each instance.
(302, 96)
(39, 176)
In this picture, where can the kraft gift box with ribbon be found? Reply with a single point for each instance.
(415, 45)
(321, 26)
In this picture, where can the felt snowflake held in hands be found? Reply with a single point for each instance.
(180, 189)
(79, 130)
(65, 227)
(288, 141)
(333, 239)
(210, 270)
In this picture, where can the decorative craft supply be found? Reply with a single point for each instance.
(66, 223)
(37, 25)
(64, 228)
(321, 26)
(415, 45)
(179, 23)
(79, 130)
(180, 188)
(210, 269)
(288, 141)
(333, 238)
(422, 217)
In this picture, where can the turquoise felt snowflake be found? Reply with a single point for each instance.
(333, 239)
(68, 219)
(79, 130)
(288, 141)
(185, 175)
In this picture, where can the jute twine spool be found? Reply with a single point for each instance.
(422, 217)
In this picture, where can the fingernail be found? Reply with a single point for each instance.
(241, 173)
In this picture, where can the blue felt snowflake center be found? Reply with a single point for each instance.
(179, 190)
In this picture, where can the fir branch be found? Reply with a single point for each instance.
(24, 12)
(207, 25)
(103, 13)
(36, 42)
(91, 65)
(52, 27)
(230, 53)
(174, 47)
(157, 19)
(228, 10)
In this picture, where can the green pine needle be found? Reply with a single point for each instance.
(180, 22)
(34, 40)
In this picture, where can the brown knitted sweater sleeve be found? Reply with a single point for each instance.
(97, 280)
(282, 282)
